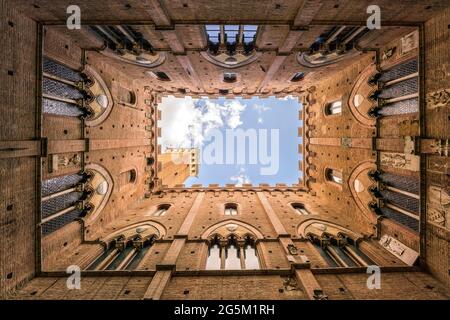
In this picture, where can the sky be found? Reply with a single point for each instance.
(204, 123)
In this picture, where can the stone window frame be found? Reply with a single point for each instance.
(327, 106)
(113, 250)
(225, 242)
(162, 207)
(298, 76)
(160, 76)
(133, 96)
(134, 178)
(327, 172)
(231, 205)
(296, 203)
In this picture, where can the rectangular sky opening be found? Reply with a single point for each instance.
(239, 141)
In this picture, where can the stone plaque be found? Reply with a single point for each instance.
(398, 249)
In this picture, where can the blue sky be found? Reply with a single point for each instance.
(187, 122)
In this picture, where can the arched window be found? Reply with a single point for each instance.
(213, 33)
(126, 96)
(231, 209)
(339, 251)
(333, 108)
(229, 77)
(62, 199)
(123, 253)
(333, 175)
(162, 76)
(60, 91)
(231, 46)
(231, 35)
(251, 256)
(300, 209)
(159, 75)
(232, 254)
(127, 177)
(298, 76)
(161, 210)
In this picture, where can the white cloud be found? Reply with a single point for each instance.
(289, 97)
(232, 111)
(240, 178)
(260, 108)
(184, 122)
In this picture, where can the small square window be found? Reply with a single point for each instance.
(229, 77)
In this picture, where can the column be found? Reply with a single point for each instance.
(241, 244)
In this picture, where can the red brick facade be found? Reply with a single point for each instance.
(376, 170)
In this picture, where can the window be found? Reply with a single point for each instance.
(300, 208)
(249, 33)
(339, 251)
(60, 92)
(214, 262)
(229, 77)
(231, 34)
(213, 32)
(298, 76)
(161, 210)
(231, 209)
(333, 108)
(126, 96)
(161, 76)
(123, 253)
(334, 176)
(127, 177)
(60, 199)
(232, 254)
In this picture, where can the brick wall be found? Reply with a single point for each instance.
(437, 64)
(18, 122)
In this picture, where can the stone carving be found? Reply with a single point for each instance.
(387, 54)
(400, 160)
(398, 249)
(290, 284)
(346, 142)
(320, 226)
(232, 227)
(141, 229)
(65, 161)
(58, 161)
(409, 42)
(437, 146)
(359, 187)
(102, 100)
(438, 207)
(292, 249)
(392, 245)
(409, 145)
(319, 295)
(408, 127)
(438, 99)
(102, 188)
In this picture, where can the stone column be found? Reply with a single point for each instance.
(223, 253)
(241, 244)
